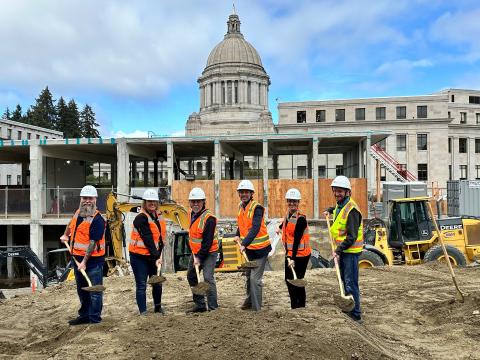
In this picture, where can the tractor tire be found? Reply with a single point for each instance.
(369, 259)
(435, 253)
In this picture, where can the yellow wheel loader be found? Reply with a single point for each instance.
(229, 257)
(409, 237)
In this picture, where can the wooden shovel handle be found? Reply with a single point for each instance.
(243, 252)
(335, 260)
(83, 272)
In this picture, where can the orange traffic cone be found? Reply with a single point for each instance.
(33, 283)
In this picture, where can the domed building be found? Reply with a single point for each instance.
(233, 89)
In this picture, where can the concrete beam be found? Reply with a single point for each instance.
(65, 153)
(141, 151)
(231, 151)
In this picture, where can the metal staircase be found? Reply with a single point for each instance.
(391, 165)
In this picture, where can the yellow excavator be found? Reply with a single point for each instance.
(409, 236)
(229, 256)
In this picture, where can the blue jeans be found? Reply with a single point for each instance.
(208, 267)
(143, 267)
(91, 303)
(349, 273)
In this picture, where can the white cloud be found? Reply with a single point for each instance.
(132, 134)
(178, 133)
(402, 65)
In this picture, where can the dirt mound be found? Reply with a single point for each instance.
(407, 313)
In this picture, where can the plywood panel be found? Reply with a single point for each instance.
(229, 198)
(277, 206)
(359, 194)
(181, 189)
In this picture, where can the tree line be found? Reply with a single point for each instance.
(57, 115)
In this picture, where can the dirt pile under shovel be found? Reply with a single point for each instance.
(408, 313)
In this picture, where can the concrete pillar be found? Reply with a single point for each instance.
(276, 174)
(170, 160)
(9, 244)
(368, 168)
(123, 167)
(265, 176)
(36, 240)
(37, 199)
(218, 170)
(315, 143)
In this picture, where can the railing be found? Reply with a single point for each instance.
(14, 202)
(65, 201)
(395, 168)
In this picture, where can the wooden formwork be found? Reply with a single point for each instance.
(181, 189)
(277, 206)
(229, 198)
(359, 194)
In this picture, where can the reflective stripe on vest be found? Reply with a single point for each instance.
(137, 245)
(244, 220)
(195, 233)
(339, 228)
(80, 236)
(288, 236)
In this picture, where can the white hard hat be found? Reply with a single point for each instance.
(89, 191)
(293, 194)
(245, 185)
(150, 194)
(197, 194)
(341, 182)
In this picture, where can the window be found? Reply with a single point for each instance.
(401, 112)
(19, 136)
(223, 92)
(477, 116)
(477, 168)
(449, 172)
(463, 172)
(322, 171)
(422, 172)
(380, 113)
(449, 145)
(449, 115)
(46, 137)
(229, 92)
(453, 98)
(339, 170)
(360, 114)
(320, 115)
(19, 179)
(477, 146)
(29, 136)
(474, 99)
(421, 141)
(301, 172)
(382, 144)
(422, 112)
(339, 114)
(463, 118)
(301, 117)
(9, 179)
(462, 145)
(9, 133)
(383, 173)
(402, 142)
(38, 136)
(235, 98)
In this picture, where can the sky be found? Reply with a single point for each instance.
(137, 62)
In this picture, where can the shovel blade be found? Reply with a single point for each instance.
(201, 289)
(156, 279)
(344, 303)
(94, 288)
(297, 282)
(248, 265)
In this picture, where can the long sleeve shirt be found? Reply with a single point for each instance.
(252, 233)
(354, 220)
(207, 236)
(97, 230)
(141, 224)
(297, 234)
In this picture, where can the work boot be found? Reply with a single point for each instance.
(78, 321)
(196, 309)
(355, 318)
(246, 306)
(159, 309)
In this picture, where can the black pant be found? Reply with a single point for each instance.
(297, 294)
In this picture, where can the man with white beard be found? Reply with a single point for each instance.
(86, 235)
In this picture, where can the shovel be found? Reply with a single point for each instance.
(344, 302)
(157, 279)
(247, 264)
(202, 287)
(90, 287)
(459, 296)
(295, 281)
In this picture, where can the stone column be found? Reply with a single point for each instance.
(315, 144)
(170, 159)
(123, 167)
(265, 176)
(218, 176)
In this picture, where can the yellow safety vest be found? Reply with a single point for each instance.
(339, 228)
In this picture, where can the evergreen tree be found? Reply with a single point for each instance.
(17, 114)
(88, 123)
(72, 123)
(62, 117)
(27, 118)
(43, 113)
(7, 115)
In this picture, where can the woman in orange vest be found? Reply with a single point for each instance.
(255, 241)
(296, 241)
(146, 245)
(204, 246)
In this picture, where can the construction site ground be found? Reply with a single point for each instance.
(409, 313)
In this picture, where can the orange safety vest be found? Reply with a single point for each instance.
(244, 220)
(288, 231)
(137, 245)
(339, 228)
(195, 232)
(80, 236)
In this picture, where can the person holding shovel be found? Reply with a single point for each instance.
(86, 235)
(204, 246)
(347, 231)
(254, 241)
(296, 241)
(145, 248)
